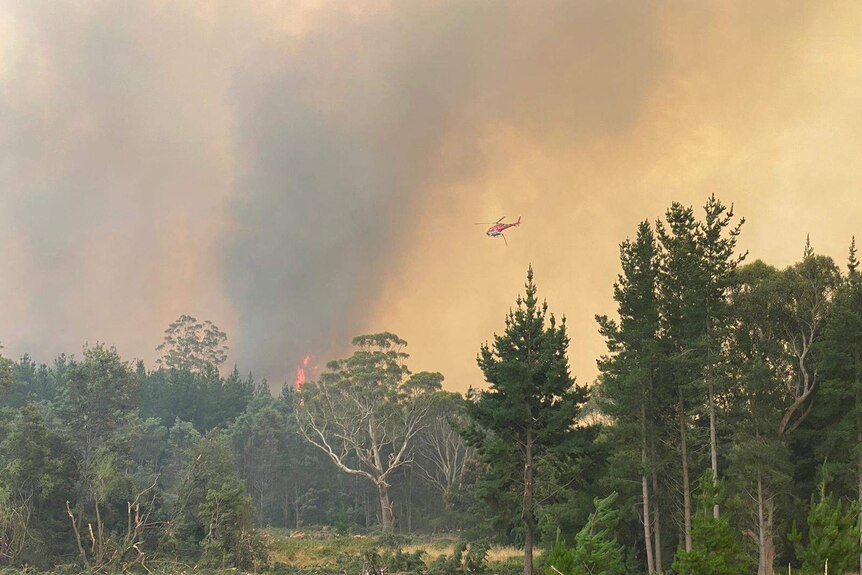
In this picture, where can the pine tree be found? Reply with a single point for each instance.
(529, 408)
(716, 547)
(629, 391)
(682, 311)
(719, 262)
(838, 413)
(832, 535)
(596, 550)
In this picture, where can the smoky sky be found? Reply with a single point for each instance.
(340, 137)
(302, 172)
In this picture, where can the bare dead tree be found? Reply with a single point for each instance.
(110, 554)
(14, 527)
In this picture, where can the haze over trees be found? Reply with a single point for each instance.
(722, 436)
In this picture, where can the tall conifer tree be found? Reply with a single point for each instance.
(681, 281)
(530, 406)
(717, 245)
(838, 412)
(629, 372)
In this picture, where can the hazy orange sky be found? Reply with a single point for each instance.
(301, 172)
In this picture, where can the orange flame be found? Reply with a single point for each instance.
(300, 374)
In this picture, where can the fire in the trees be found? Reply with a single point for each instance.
(300, 374)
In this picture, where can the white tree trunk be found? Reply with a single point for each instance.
(655, 506)
(713, 443)
(686, 490)
(645, 488)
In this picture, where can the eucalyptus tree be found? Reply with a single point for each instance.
(366, 411)
(530, 407)
(444, 459)
(779, 320)
(191, 345)
(806, 290)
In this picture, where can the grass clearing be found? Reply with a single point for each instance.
(314, 550)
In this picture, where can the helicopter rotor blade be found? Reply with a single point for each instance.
(500, 220)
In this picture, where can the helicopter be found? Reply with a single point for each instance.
(498, 228)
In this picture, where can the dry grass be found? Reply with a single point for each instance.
(315, 552)
(322, 551)
(499, 554)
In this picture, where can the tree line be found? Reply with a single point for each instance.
(748, 372)
(110, 466)
(723, 434)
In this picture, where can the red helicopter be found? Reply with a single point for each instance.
(498, 228)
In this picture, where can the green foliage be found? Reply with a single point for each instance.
(96, 395)
(467, 558)
(231, 540)
(528, 410)
(531, 391)
(201, 458)
(203, 398)
(14, 526)
(36, 383)
(596, 550)
(266, 447)
(6, 374)
(36, 473)
(837, 415)
(402, 562)
(559, 558)
(631, 389)
(716, 546)
(213, 510)
(833, 535)
(190, 345)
